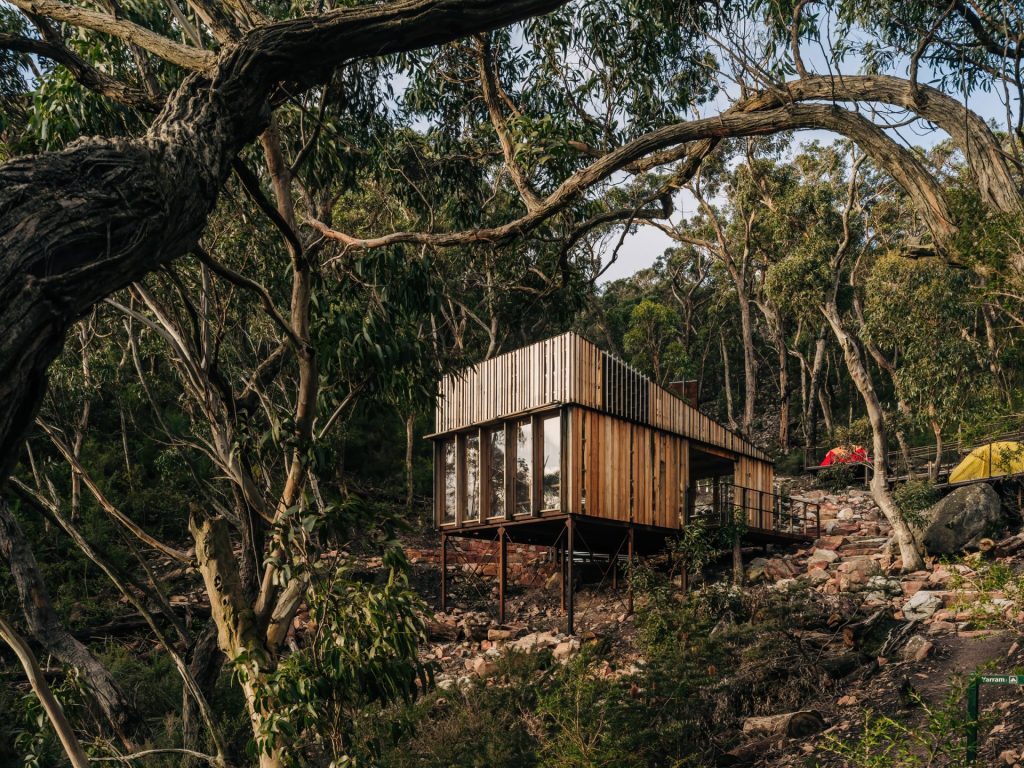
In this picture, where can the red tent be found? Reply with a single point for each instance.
(843, 455)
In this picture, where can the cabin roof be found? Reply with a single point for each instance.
(570, 370)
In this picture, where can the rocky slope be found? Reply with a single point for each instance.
(895, 641)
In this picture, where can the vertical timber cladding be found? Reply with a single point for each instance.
(626, 471)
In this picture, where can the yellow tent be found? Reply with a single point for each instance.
(992, 460)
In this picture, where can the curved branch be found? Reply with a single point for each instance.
(490, 86)
(794, 38)
(899, 162)
(84, 73)
(965, 128)
(185, 56)
(59, 721)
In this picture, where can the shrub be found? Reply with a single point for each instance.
(886, 742)
(835, 478)
(914, 497)
(480, 726)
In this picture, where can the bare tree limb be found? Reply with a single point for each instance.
(186, 56)
(53, 710)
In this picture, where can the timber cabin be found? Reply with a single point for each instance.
(562, 444)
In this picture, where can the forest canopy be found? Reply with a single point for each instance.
(240, 241)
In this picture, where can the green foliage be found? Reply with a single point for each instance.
(992, 593)
(914, 497)
(35, 743)
(835, 478)
(888, 742)
(917, 311)
(363, 652)
(478, 726)
(589, 720)
(651, 342)
(696, 546)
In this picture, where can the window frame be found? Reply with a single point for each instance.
(554, 417)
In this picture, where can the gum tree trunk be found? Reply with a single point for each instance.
(909, 552)
(80, 224)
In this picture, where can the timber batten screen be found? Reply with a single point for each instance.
(561, 427)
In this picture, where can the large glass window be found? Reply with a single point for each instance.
(552, 468)
(472, 478)
(524, 468)
(496, 471)
(450, 487)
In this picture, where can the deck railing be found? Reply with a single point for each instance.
(761, 512)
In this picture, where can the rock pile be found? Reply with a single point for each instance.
(854, 556)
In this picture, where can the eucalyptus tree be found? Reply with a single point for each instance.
(261, 388)
(652, 344)
(921, 313)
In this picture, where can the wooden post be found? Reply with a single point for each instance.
(716, 498)
(629, 570)
(569, 596)
(444, 572)
(737, 548)
(560, 554)
(502, 566)
(614, 563)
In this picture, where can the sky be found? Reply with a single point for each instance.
(641, 249)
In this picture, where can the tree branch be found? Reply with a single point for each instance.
(185, 56)
(899, 162)
(489, 86)
(84, 73)
(59, 721)
(251, 285)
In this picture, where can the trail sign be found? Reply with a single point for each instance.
(1001, 679)
(972, 707)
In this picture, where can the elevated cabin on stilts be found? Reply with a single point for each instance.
(562, 444)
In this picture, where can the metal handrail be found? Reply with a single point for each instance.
(763, 511)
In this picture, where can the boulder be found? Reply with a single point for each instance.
(822, 558)
(883, 587)
(483, 667)
(757, 570)
(961, 520)
(779, 568)
(816, 576)
(859, 569)
(917, 648)
(922, 605)
(565, 649)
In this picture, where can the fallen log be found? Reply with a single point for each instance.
(1009, 546)
(840, 665)
(792, 725)
(442, 631)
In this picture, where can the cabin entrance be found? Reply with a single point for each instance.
(711, 474)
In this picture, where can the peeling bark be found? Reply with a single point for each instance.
(239, 635)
